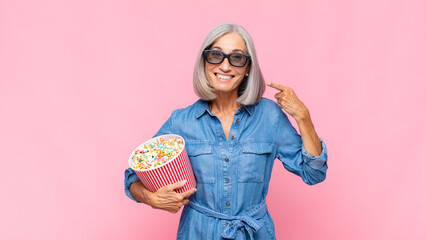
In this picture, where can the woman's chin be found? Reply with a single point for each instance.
(224, 87)
(220, 92)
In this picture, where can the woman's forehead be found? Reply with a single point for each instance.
(230, 42)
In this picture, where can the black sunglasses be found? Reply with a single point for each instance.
(235, 59)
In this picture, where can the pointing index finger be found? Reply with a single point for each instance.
(276, 86)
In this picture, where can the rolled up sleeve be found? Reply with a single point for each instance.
(316, 162)
(130, 177)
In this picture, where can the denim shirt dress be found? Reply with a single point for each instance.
(233, 174)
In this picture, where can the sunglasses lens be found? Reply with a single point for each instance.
(214, 57)
(237, 60)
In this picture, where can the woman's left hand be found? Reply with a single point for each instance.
(288, 101)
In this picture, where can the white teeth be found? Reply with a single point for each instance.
(223, 76)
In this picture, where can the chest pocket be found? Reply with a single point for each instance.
(202, 162)
(252, 162)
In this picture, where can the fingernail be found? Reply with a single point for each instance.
(184, 181)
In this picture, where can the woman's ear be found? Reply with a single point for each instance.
(247, 71)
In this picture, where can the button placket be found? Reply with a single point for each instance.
(226, 175)
(227, 171)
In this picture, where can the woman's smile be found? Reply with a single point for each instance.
(223, 77)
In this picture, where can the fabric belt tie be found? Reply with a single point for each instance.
(236, 229)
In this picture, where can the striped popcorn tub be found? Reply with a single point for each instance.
(176, 169)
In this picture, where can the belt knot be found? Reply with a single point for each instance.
(236, 229)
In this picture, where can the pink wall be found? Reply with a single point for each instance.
(83, 82)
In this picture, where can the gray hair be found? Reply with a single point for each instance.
(252, 87)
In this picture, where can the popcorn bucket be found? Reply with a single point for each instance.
(176, 169)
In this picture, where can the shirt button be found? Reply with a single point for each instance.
(238, 120)
(226, 224)
(232, 137)
(227, 180)
(240, 110)
(127, 171)
(226, 159)
(227, 204)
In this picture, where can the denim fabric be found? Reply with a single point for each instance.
(233, 174)
(240, 225)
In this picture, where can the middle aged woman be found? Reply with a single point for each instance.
(233, 136)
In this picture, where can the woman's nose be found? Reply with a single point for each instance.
(225, 65)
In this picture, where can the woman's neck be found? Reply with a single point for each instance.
(224, 103)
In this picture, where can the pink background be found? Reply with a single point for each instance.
(82, 83)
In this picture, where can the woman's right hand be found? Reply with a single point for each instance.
(165, 198)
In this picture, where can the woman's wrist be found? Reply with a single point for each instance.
(303, 118)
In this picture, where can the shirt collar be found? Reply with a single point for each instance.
(202, 107)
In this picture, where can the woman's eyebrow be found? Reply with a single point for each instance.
(234, 50)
